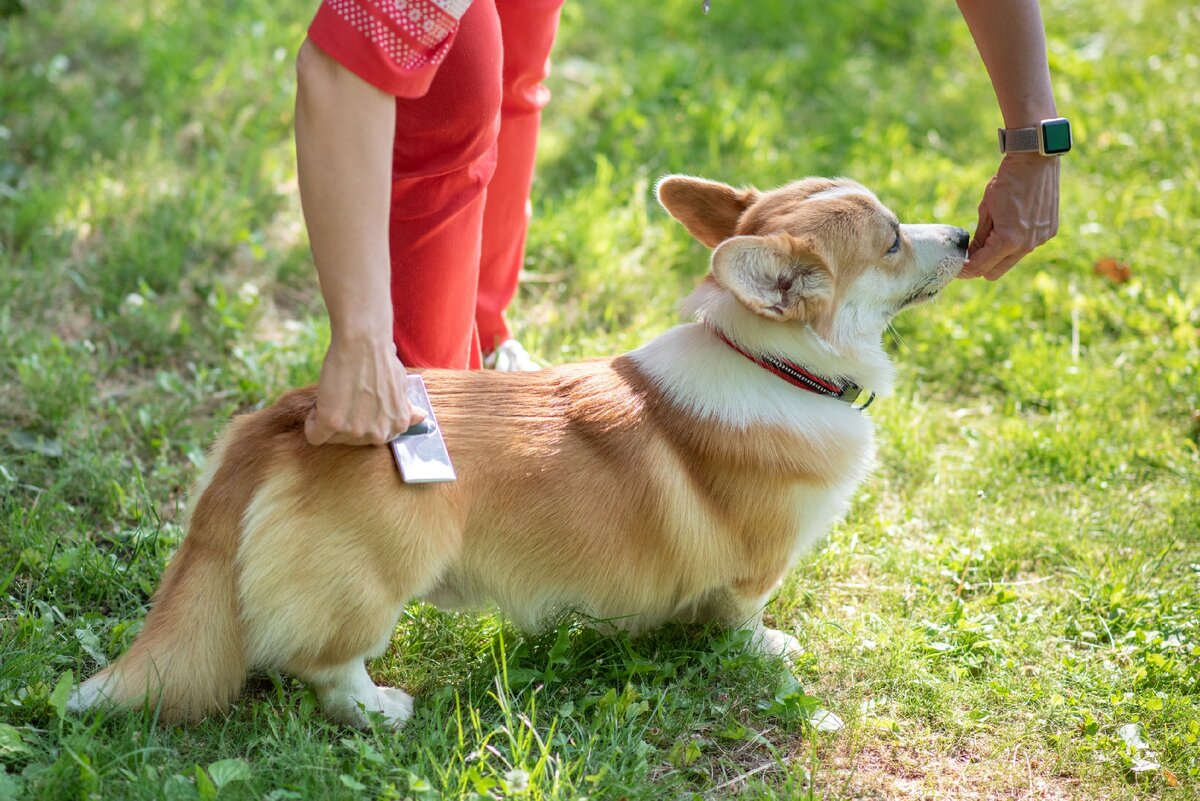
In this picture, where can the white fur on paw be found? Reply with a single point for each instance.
(396, 706)
(773, 642)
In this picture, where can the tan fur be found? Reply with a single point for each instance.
(334, 543)
(838, 225)
(198, 594)
(709, 210)
(779, 276)
(589, 486)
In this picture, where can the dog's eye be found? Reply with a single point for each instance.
(895, 248)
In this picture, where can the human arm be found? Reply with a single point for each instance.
(1019, 209)
(344, 131)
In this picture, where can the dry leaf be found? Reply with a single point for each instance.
(1131, 734)
(1116, 271)
(824, 720)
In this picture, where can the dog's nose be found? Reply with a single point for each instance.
(961, 238)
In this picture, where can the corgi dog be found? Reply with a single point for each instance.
(678, 482)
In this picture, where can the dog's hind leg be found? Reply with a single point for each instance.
(326, 567)
(340, 679)
(773, 642)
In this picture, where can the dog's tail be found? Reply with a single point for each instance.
(190, 658)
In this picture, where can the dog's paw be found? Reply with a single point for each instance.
(773, 642)
(396, 706)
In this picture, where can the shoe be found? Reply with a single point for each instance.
(510, 357)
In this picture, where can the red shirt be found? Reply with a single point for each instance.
(394, 45)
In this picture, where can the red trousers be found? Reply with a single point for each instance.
(461, 172)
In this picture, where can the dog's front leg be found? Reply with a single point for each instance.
(772, 642)
(748, 610)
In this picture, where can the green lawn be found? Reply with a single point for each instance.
(1010, 609)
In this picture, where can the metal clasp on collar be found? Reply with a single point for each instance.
(852, 392)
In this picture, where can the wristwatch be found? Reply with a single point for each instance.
(1048, 137)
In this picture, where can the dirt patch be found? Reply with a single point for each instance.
(964, 773)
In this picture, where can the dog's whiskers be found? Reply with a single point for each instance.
(899, 340)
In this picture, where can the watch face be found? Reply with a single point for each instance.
(1056, 137)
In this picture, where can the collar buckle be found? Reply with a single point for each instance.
(851, 392)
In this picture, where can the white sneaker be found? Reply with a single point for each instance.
(510, 357)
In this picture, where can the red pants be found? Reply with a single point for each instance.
(461, 172)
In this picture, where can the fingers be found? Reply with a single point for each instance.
(1005, 265)
(362, 396)
(999, 252)
(319, 431)
(314, 432)
(995, 258)
(1018, 213)
(993, 251)
(986, 259)
(978, 255)
(982, 231)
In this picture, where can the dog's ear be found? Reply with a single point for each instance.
(779, 277)
(709, 210)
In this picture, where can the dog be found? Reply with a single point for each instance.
(678, 482)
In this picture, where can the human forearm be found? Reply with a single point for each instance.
(1012, 44)
(1019, 209)
(344, 134)
(344, 130)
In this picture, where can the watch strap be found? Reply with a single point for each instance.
(1019, 140)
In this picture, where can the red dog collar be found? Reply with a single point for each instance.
(844, 390)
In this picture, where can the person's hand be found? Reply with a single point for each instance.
(1019, 211)
(361, 397)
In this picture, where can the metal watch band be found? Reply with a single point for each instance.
(1019, 140)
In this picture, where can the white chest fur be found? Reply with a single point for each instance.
(708, 378)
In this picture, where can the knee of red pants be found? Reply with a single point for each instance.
(435, 276)
(435, 238)
(528, 28)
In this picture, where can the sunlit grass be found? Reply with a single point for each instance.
(1010, 607)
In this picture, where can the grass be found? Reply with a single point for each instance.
(1009, 610)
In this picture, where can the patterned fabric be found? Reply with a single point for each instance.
(394, 45)
(455, 8)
